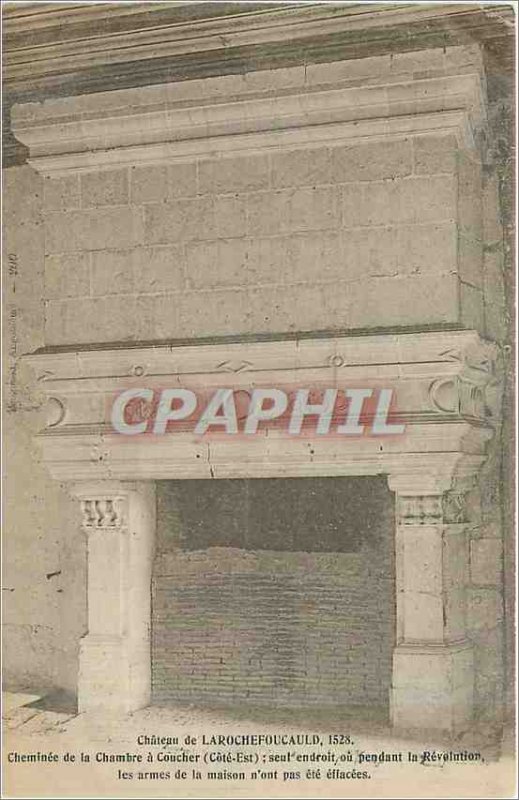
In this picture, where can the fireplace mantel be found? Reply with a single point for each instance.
(446, 386)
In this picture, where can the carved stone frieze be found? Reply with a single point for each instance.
(442, 398)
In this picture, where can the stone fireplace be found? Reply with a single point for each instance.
(320, 223)
(447, 383)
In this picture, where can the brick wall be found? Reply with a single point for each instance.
(379, 234)
(287, 626)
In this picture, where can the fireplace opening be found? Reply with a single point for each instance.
(274, 593)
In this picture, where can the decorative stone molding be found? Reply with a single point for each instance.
(99, 41)
(48, 45)
(408, 354)
(438, 442)
(475, 392)
(229, 115)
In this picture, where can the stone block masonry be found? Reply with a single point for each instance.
(43, 552)
(364, 234)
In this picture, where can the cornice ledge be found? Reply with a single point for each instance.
(446, 353)
(95, 36)
(167, 123)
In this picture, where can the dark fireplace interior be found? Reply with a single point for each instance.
(274, 593)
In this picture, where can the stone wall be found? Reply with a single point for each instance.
(491, 530)
(43, 551)
(369, 235)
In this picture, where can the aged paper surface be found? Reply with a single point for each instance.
(259, 319)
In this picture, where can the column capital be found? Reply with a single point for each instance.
(104, 505)
(434, 499)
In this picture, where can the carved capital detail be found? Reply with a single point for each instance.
(419, 509)
(432, 509)
(103, 513)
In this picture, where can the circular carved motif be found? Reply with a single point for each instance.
(55, 412)
(444, 396)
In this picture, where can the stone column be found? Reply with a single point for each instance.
(115, 662)
(433, 672)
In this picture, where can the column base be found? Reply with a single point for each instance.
(433, 687)
(114, 676)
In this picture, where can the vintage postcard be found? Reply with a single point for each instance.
(258, 399)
